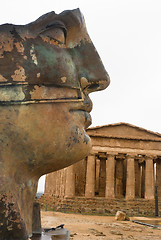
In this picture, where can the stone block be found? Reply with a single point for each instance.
(121, 216)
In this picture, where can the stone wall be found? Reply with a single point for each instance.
(99, 205)
(80, 177)
(55, 183)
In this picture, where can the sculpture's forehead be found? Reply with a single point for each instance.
(71, 20)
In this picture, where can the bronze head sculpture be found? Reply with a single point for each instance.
(47, 69)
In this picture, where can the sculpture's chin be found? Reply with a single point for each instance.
(68, 152)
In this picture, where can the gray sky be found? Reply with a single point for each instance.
(127, 35)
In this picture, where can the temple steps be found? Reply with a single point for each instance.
(98, 205)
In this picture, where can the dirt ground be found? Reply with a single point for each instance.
(85, 227)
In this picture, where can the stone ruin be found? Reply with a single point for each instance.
(121, 171)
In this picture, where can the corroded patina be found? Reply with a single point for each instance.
(47, 70)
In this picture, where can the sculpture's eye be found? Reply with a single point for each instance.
(56, 34)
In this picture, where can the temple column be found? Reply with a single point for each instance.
(130, 179)
(110, 177)
(57, 184)
(70, 182)
(97, 176)
(119, 188)
(149, 178)
(124, 176)
(143, 180)
(102, 178)
(90, 177)
(158, 176)
(137, 179)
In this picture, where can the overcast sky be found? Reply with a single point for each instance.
(127, 35)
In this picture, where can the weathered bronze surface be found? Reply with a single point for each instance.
(47, 69)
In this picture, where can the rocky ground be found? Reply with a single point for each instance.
(85, 227)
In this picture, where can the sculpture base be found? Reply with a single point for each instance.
(43, 237)
(61, 234)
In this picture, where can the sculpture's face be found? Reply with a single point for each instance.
(47, 70)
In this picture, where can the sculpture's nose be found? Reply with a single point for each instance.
(92, 74)
(95, 85)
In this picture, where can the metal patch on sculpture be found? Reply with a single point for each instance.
(14, 93)
(33, 55)
(2, 79)
(6, 45)
(19, 75)
(50, 92)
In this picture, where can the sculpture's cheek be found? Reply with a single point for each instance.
(55, 66)
(61, 143)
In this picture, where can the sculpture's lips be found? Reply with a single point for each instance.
(82, 111)
(85, 115)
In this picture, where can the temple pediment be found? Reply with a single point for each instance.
(125, 131)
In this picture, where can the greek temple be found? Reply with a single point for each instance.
(124, 162)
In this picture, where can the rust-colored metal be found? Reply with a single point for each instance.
(47, 69)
